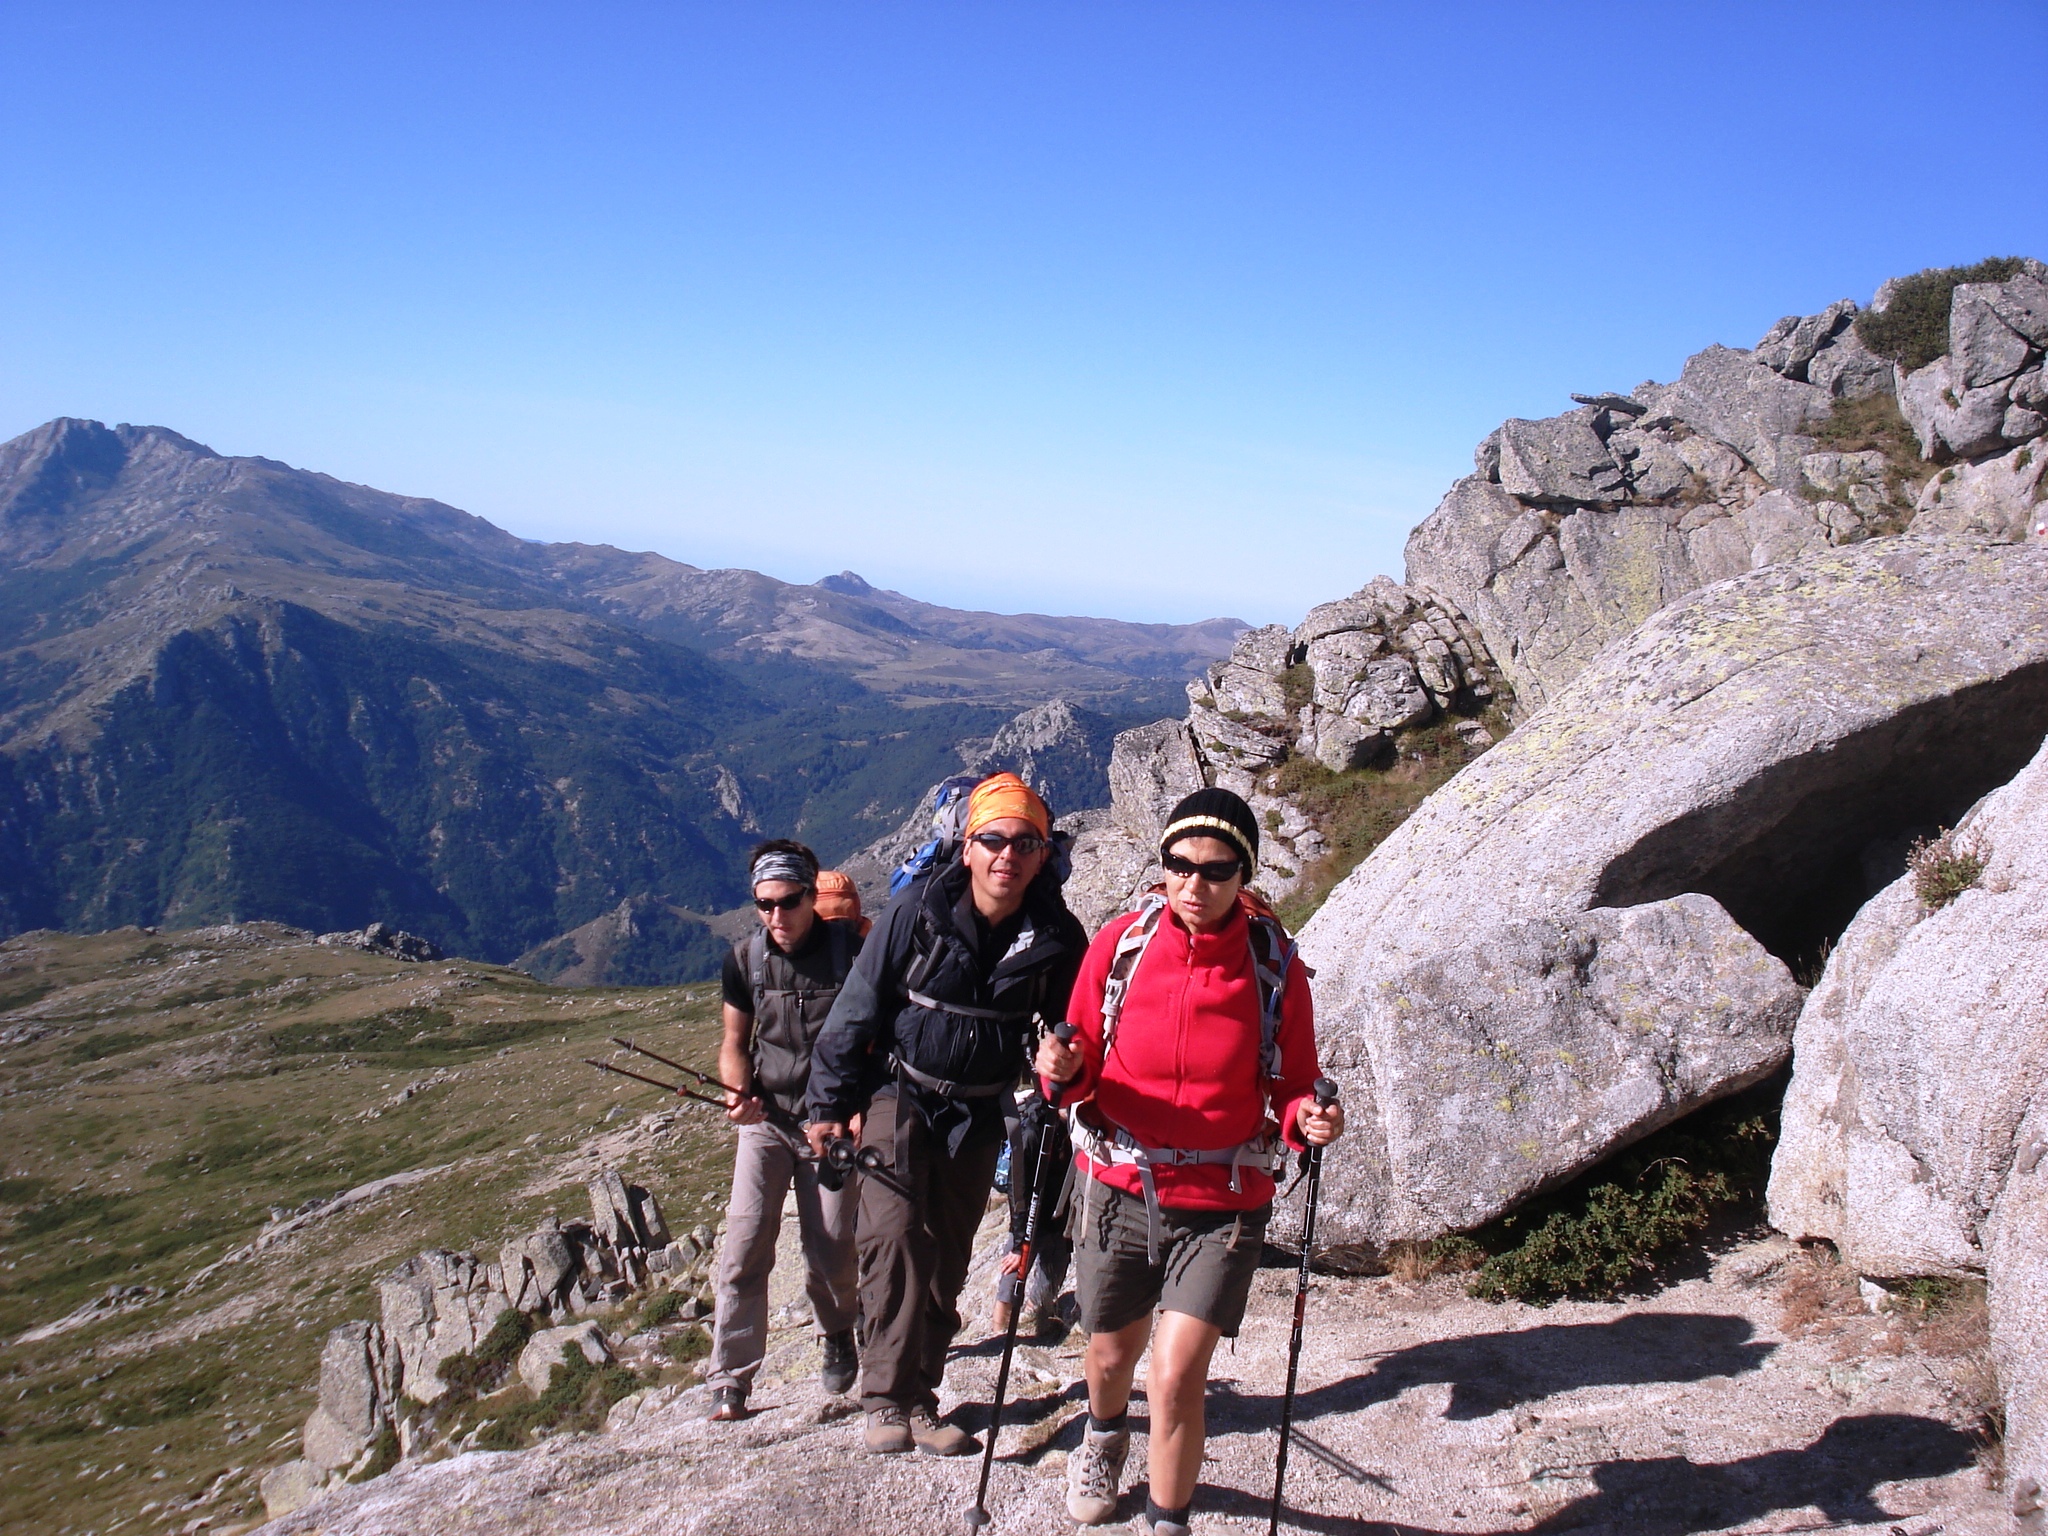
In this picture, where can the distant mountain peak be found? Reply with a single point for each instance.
(847, 582)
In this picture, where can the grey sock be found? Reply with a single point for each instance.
(1155, 1514)
(1108, 1426)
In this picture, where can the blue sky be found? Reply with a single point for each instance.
(1152, 310)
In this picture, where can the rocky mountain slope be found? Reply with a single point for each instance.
(229, 688)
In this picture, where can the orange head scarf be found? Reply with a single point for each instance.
(1004, 796)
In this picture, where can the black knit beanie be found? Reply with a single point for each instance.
(1215, 813)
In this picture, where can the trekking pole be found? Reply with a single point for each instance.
(605, 1066)
(1326, 1095)
(769, 1112)
(703, 1077)
(978, 1516)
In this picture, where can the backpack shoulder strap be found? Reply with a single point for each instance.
(1123, 963)
(757, 963)
(924, 946)
(1272, 958)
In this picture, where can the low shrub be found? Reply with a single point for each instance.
(578, 1397)
(1913, 329)
(1857, 426)
(385, 1453)
(1943, 868)
(690, 1344)
(486, 1368)
(1358, 810)
(665, 1305)
(1298, 686)
(99, 1047)
(1611, 1229)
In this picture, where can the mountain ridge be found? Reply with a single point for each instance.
(231, 688)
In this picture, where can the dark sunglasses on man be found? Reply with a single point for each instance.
(1215, 871)
(787, 903)
(1024, 843)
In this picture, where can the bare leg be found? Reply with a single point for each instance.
(1111, 1362)
(1175, 1387)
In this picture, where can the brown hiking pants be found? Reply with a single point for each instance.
(918, 1215)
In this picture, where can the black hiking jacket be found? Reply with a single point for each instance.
(1027, 966)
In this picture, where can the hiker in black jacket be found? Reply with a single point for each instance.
(929, 1035)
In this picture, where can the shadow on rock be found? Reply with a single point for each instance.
(1489, 1372)
(1675, 1497)
(1835, 1474)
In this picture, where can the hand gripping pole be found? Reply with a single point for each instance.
(1326, 1095)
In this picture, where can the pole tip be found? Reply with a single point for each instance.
(976, 1518)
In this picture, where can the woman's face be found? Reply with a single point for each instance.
(1203, 905)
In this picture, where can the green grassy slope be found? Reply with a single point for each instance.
(160, 1093)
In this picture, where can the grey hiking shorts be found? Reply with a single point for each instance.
(1206, 1260)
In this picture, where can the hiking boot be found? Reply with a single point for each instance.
(727, 1404)
(1095, 1472)
(935, 1437)
(842, 1362)
(888, 1431)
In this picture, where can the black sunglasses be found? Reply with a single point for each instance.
(1025, 843)
(786, 903)
(1215, 871)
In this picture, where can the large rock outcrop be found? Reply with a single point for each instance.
(440, 1304)
(434, 1306)
(1914, 1133)
(1576, 528)
(1501, 1068)
(1749, 744)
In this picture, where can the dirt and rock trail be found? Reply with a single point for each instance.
(1756, 1396)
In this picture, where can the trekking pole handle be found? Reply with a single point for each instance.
(1325, 1092)
(1064, 1033)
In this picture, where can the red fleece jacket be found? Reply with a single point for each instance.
(1184, 1067)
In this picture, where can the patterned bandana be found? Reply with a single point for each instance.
(792, 868)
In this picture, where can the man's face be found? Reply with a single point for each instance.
(788, 922)
(1002, 874)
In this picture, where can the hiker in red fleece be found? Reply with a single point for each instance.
(1204, 1085)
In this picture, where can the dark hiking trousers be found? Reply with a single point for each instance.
(918, 1215)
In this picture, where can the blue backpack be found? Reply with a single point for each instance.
(949, 822)
(949, 826)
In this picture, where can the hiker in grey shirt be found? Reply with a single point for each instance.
(778, 987)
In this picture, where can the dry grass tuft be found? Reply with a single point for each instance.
(1817, 1286)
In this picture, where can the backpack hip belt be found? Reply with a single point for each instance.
(945, 1088)
(1117, 1147)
